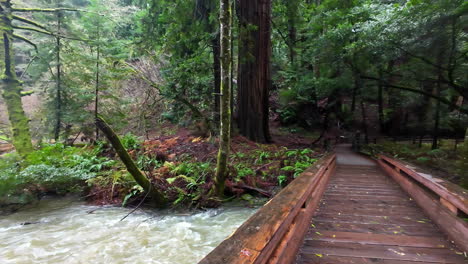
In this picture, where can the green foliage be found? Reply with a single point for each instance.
(183, 30)
(282, 180)
(131, 141)
(136, 190)
(147, 163)
(51, 154)
(243, 170)
(303, 161)
(187, 178)
(52, 168)
(55, 179)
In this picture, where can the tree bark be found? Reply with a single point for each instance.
(356, 89)
(96, 91)
(380, 100)
(58, 110)
(158, 197)
(254, 69)
(217, 77)
(292, 15)
(10, 85)
(225, 126)
(435, 132)
(364, 123)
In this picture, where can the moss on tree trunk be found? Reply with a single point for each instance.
(225, 126)
(157, 197)
(10, 85)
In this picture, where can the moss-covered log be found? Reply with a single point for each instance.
(225, 127)
(156, 196)
(10, 85)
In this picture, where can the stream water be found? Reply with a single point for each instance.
(67, 231)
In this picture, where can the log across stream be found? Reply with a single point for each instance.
(69, 231)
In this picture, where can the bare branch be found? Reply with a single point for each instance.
(27, 67)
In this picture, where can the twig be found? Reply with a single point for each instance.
(136, 208)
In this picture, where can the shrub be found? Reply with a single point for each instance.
(59, 179)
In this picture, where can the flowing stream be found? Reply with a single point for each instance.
(67, 231)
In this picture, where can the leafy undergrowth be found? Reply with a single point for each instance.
(446, 162)
(53, 169)
(183, 166)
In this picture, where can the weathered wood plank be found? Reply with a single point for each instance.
(324, 259)
(382, 252)
(377, 228)
(378, 239)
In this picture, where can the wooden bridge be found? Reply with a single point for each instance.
(350, 209)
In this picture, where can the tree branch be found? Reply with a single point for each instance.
(35, 29)
(47, 10)
(48, 33)
(413, 90)
(27, 67)
(421, 58)
(26, 40)
(30, 22)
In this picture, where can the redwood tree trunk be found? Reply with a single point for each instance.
(254, 69)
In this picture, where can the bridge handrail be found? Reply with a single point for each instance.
(276, 231)
(456, 196)
(440, 199)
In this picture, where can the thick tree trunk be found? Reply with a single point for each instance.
(10, 85)
(156, 196)
(225, 126)
(254, 69)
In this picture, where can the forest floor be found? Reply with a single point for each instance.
(183, 165)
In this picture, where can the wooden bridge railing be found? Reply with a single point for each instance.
(275, 233)
(441, 200)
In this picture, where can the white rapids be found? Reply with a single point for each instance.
(66, 231)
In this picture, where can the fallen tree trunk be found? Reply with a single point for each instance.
(157, 197)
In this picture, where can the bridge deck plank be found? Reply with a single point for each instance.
(365, 217)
